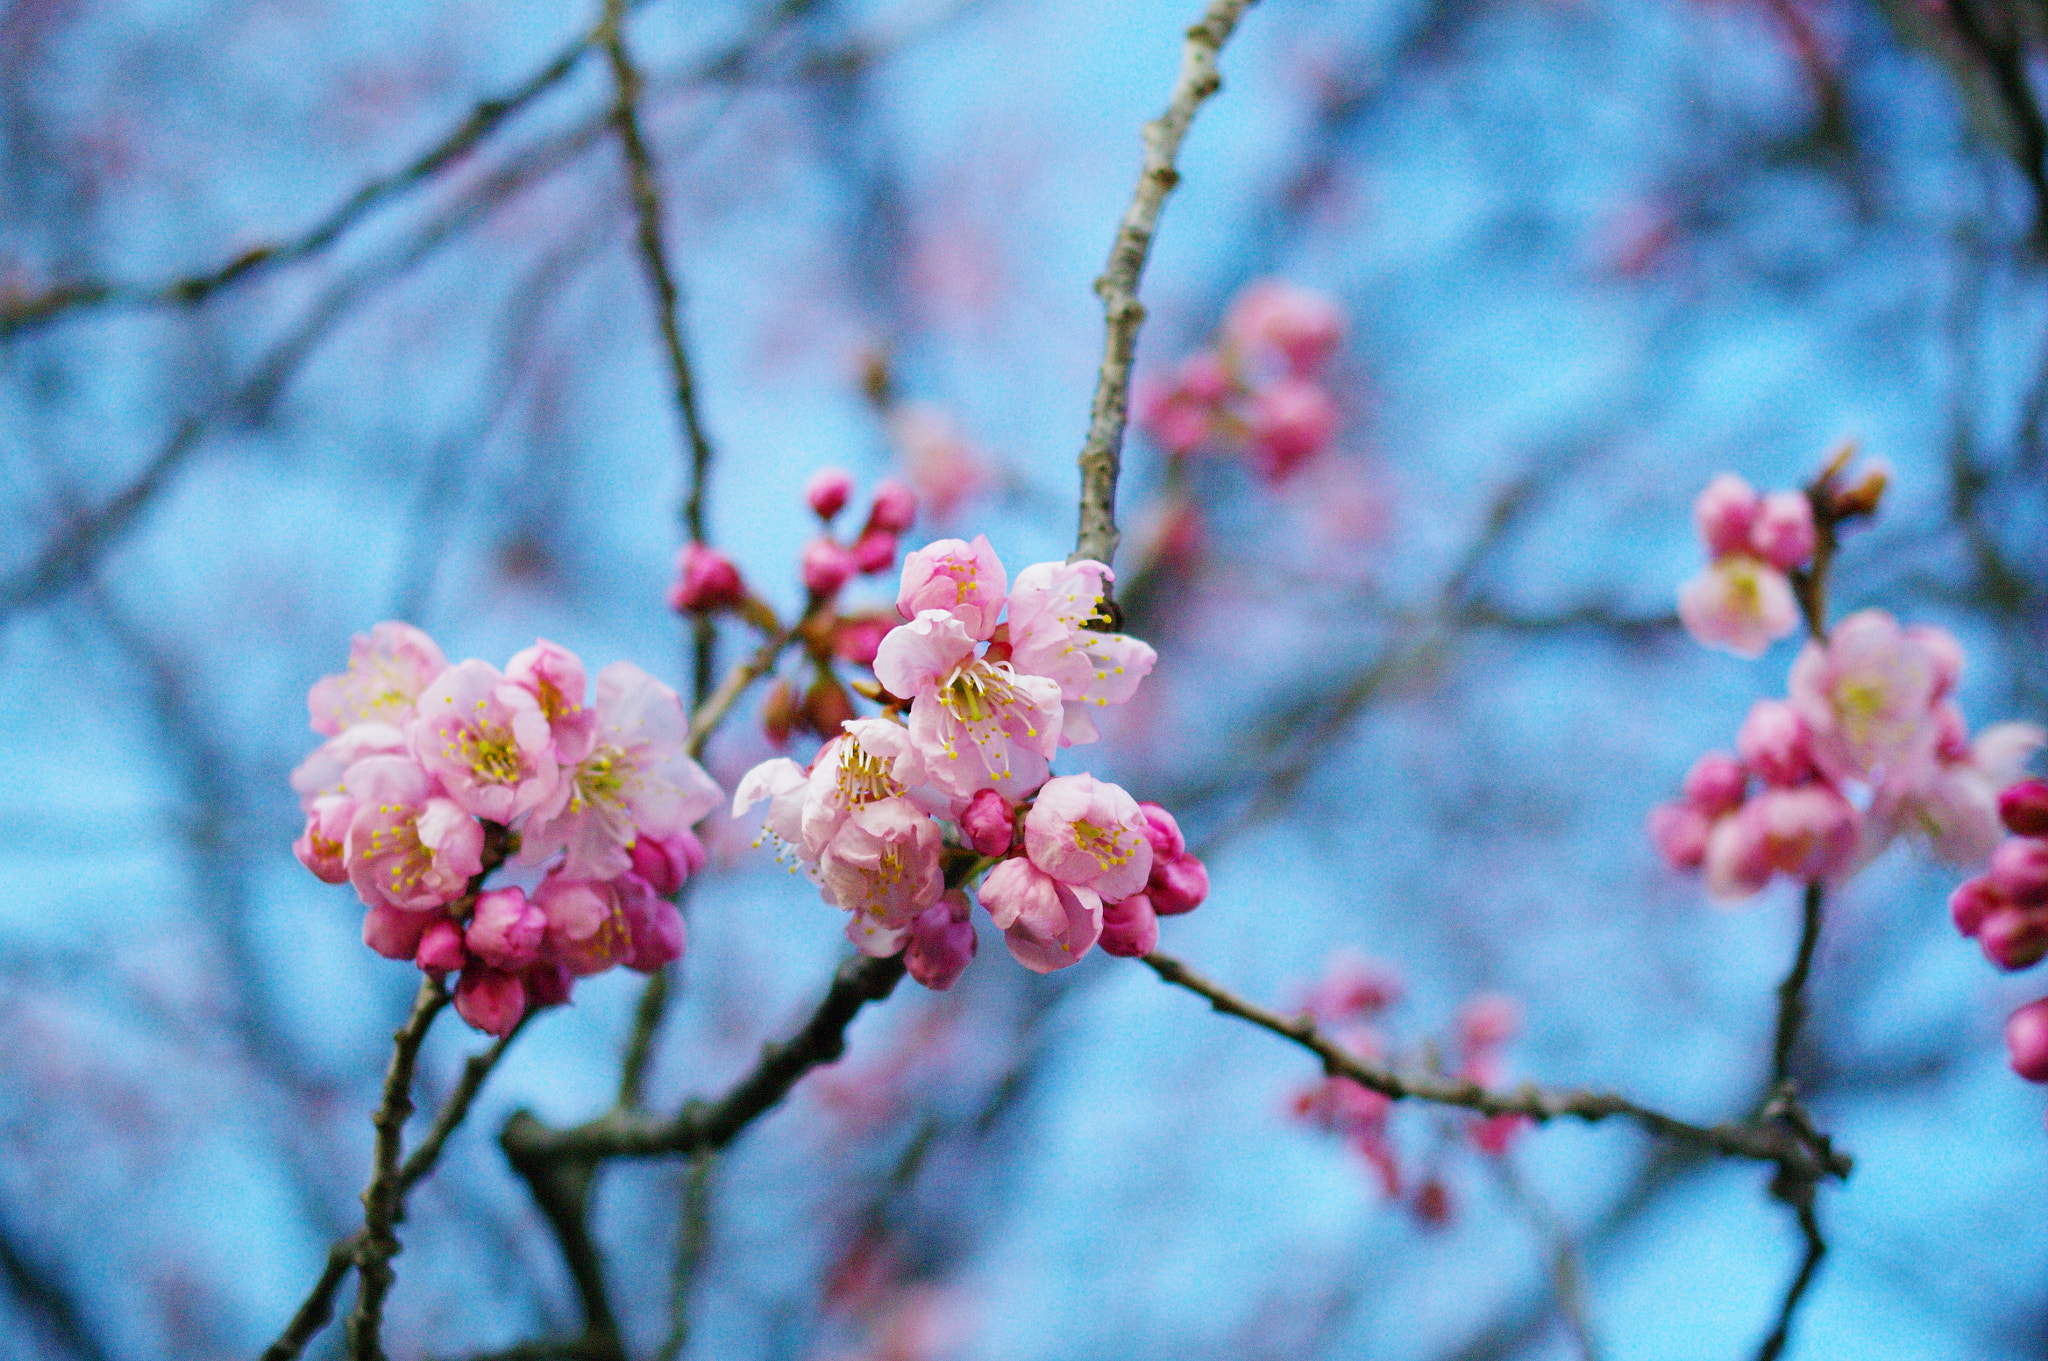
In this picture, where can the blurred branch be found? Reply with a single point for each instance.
(1793, 1147)
(1809, 1262)
(1565, 1267)
(47, 1301)
(1101, 455)
(691, 1251)
(1792, 992)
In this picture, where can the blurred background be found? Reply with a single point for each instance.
(1414, 699)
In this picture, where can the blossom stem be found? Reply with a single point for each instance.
(1792, 992)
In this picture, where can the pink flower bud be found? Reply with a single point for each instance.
(779, 710)
(1782, 533)
(1163, 832)
(1353, 985)
(2024, 808)
(2026, 1040)
(1716, 783)
(1433, 1204)
(659, 934)
(942, 942)
(1300, 325)
(706, 580)
(1724, 515)
(826, 567)
(394, 932)
(666, 863)
(2019, 870)
(506, 930)
(857, 637)
(874, 551)
(828, 491)
(1178, 886)
(2014, 938)
(1291, 422)
(1737, 864)
(1488, 1021)
(1974, 902)
(1493, 1136)
(964, 579)
(1130, 928)
(440, 951)
(1776, 743)
(894, 509)
(491, 1001)
(1679, 832)
(1204, 377)
(1944, 655)
(988, 823)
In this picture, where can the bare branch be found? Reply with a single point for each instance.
(1809, 1263)
(1102, 455)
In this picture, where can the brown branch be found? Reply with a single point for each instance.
(318, 1309)
(1795, 1293)
(1791, 992)
(1786, 1146)
(378, 1243)
(1102, 456)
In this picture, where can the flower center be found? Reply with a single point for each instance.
(1107, 847)
(600, 778)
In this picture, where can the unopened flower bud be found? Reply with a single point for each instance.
(2026, 1040)
(1973, 903)
(942, 942)
(666, 863)
(826, 568)
(1783, 533)
(779, 712)
(1776, 743)
(706, 580)
(1163, 832)
(506, 930)
(826, 706)
(440, 951)
(1130, 928)
(874, 551)
(1716, 783)
(2019, 869)
(2024, 808)
(857, 637)
(988, 823)
(828, 491)
(491, 1001)
(1724, 515)
(1863, 498)
(1679, 832)
(2014, 938)
(1178, 886)
(894, 509)
(394, 932)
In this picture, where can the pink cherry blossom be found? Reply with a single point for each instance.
(1725, 515)
(554, 677)
(874, 551)
(1291, 421)
(1177, 886)
(826, 567)
(1051, 605)
(942, 943)
(1783, 533)
(1162, 832)
(1352, 986)
(1716, 784)
(322, 774)
(1047, 924)
(2024, 808)
(323, 846)
(667, 863)
(942, 463)
(827, 491)
(491, 1001)
(979, 724)
(440, 949)
(589, 929)
(784, 786)
(871, 759)
(988, 823)
(1130, 929)
(1739, 604)
(637, 778)
(1776, 744)
(409, 846)
(1680, 832)
(1809, 833)
(1943, 653)
(506, 930)
(706, 581)
(1302, 327)
(882, 865)
(1089, 834)
(1949, 798)
(1866, 695)
(659, 935)
(488, 743)
(894, 509)
(387, 668)
(964, 579)
(1182, 413)
(395, 933)
(2026, 1040)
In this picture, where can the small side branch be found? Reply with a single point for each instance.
(1102, 455)
(1790, 1146)
(1795, 1294)
(1792, 992)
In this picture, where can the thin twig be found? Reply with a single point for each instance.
(1565, 1269)
(1809, 1263)
(1792, 992)
(1763, 1141)
(1102, 455)
(647, 1018)
(318, 1309)
(690, 1254)
(379, 1241)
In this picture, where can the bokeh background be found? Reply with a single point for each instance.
(1414, 701)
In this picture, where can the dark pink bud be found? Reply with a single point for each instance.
(1783, 533)
(395, 933)
(1163, 832)
(1716, 783)
(2019, 869)
(1433, 1204)
(666, 863)
(1492, 1136)
(440, 950)
(1177, 886)
(2024, 808)
(857, 638)
(988, 823)
(1292, 421)
(2013, 938)
(1776, 743)
(874, 551)
(828, 491)
(706, 580)
(1130, 928)
(942, 943)
(1724, 514)
(826, 568)
(1972, 904)
(895, 507)
(1488, 1021)
(1679, 832)
(547, 984)
(659, 935)
(2026, 1040)
(491, 1001)
(507, 930)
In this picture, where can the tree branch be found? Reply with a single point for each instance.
(1102, 455)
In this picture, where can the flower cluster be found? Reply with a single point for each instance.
(1743, 601)
(2006, 910)
(434, 775)
(707, 581)
(1348, 1002)
(1261, 390)
(1871, 710)
(897, 815)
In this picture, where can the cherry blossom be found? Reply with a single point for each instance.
(882, 866)
(409, 846)
(1867, 696)
(1089, 834)
(488, 742)
(1740, 604)
(980, 724)
(964, 579)
(1048, 925)
(1052, 606)
(1300, 327)
(706, 581)
(387, 669)
(554, 677)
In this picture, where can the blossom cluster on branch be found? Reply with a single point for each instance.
(433, 776)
